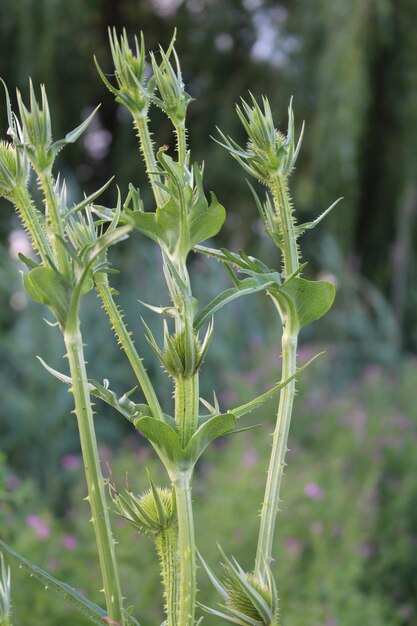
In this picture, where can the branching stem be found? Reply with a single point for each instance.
(126, 341)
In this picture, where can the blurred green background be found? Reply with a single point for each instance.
(347, 535)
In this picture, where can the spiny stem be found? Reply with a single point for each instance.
(186, 415)
(146, 145)
(31, 220)
(283, 207)
(181, 136)
(95, 482)
(166, 543)
(126, 341)
(279, 448)
(186, 407)
(289, 342)
(186, 540)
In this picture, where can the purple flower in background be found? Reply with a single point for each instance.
(71, 462)
(293, 546)
(69, 542)
(40, 527)
(250, 457)
(313, 491)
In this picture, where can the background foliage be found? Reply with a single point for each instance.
(346, 556)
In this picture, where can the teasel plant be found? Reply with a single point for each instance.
(71, 245)
(71, 249)
(270, 156)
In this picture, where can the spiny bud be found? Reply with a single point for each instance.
(36, 121)
(149, 513)
(268, 151)
(239, 600)
(248, 596)
(12, 171)
(183, 353)
(174, 99)
(178, 354)
(132, 88)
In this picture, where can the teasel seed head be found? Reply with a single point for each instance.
(150, 513)
(249, 599)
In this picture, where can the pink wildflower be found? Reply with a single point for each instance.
(313, 491)
(69, 542)
(70, 462)
(250, 457)
(40, 527)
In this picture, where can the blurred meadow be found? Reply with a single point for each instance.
(346, 541)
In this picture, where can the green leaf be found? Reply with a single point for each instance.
(91, 611)
(45, 285)
(210, 430)
(145, 223)
(130, 410)
(259, 400)
(169, 218)
(87, 200)
(243, 288)
(310, 299)
(205, 220)
(164, 439)
(163, 226)
(208, 225)
(73, 135)
(30, 263)
(309, 225)
(186, 218)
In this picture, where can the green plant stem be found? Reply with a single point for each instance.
(145, 141)
(31, 220)
(95, 482)
(166, 543)
(186, 415)
(181, 135)
(283, 206)
(53, 214)
(125, 339)
(289, 342)
(181, 481)
(187, 411)
(279, 448)
(186, 407)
